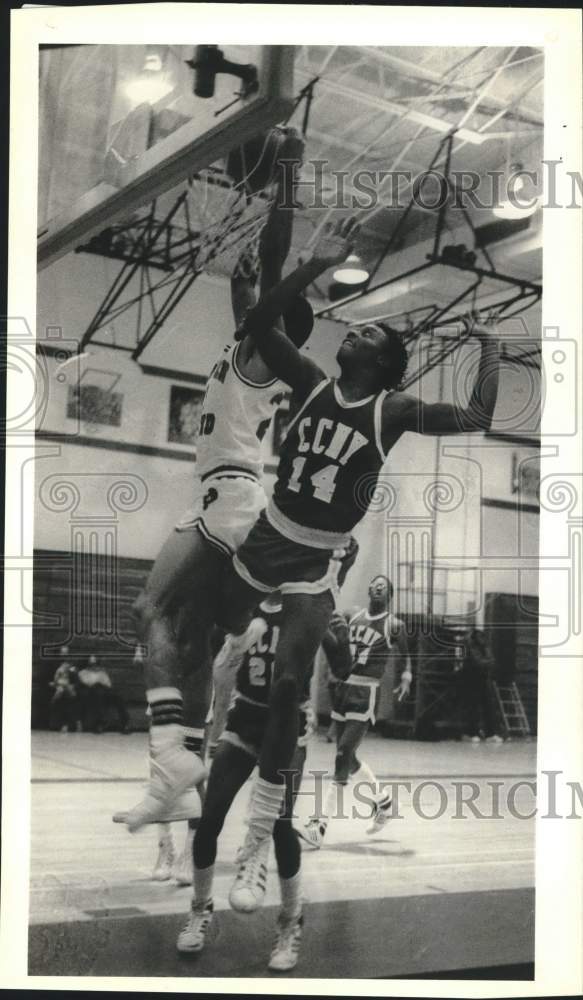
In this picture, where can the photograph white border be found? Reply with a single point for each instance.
(559, 855)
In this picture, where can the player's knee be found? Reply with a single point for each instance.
(144, 613)
(343, 761)
(284, 692)
(209, 826)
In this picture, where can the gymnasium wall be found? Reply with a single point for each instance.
(471, 517)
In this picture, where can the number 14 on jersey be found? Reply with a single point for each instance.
(323, 481)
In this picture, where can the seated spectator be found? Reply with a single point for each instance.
(64, 708)
(98, 696)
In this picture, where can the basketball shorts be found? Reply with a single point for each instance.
(225, 508)
(354, 701)
(269, 561)
(246, 723)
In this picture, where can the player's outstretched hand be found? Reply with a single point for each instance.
(292, 147)
(404, 687)
(336, 242)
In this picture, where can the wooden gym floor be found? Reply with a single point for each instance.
(444, 896)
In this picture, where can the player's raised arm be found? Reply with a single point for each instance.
(243, 296)
(447, 418)
(276, 236)
(261, 323)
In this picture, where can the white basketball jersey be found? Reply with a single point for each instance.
(236, 414)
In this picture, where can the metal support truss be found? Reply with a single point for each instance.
(148, 245)
(525, 293)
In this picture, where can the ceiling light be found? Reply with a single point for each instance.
(352, 272)
(151, 84)
(524, 201)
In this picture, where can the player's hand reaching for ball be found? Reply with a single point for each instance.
(336, 242)
(292, 147)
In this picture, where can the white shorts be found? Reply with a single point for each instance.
(226, 508)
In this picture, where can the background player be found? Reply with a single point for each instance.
(374, 634)
(175, 612)
(331, 458)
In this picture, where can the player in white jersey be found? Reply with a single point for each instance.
(175, 612)
(236, 413)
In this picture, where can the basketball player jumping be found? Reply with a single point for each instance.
(335, 448)
(175, 612)
(375, 634)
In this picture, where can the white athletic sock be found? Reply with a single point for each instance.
(164, 833)
(193, 739)
(189, 839)
(266, 803)
(365, 773)
(291, 901)
(165, 704)
(331, 805)
(203, 884)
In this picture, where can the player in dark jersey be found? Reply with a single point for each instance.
(234, 760)
(374, 635)
(175, 611)
(330, 462)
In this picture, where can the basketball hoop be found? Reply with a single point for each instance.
(227, 210)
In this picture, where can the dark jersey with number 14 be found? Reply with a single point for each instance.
(330, 461)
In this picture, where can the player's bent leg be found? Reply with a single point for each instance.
(239, 598)
(188, 568)
(314, 831)
(166, 857)
(285, 951)
(363, 777)
(304, 622)
(231, 768)
(196, 692)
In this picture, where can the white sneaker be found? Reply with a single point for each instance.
(170, 792)
(494, 739)
(192, 936)
(380, 816)
(286, 948)
(312, 833)
(248, 890)
(184, 868)
(165, 861)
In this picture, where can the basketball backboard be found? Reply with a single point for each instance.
(121, 124)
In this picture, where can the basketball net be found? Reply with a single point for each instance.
(225, 216)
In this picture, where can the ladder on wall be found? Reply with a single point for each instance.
(511, 709)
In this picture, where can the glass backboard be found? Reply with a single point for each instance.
(121, 124)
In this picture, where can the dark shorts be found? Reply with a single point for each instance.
(245, 726)
(269, 561)
(354, 701)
